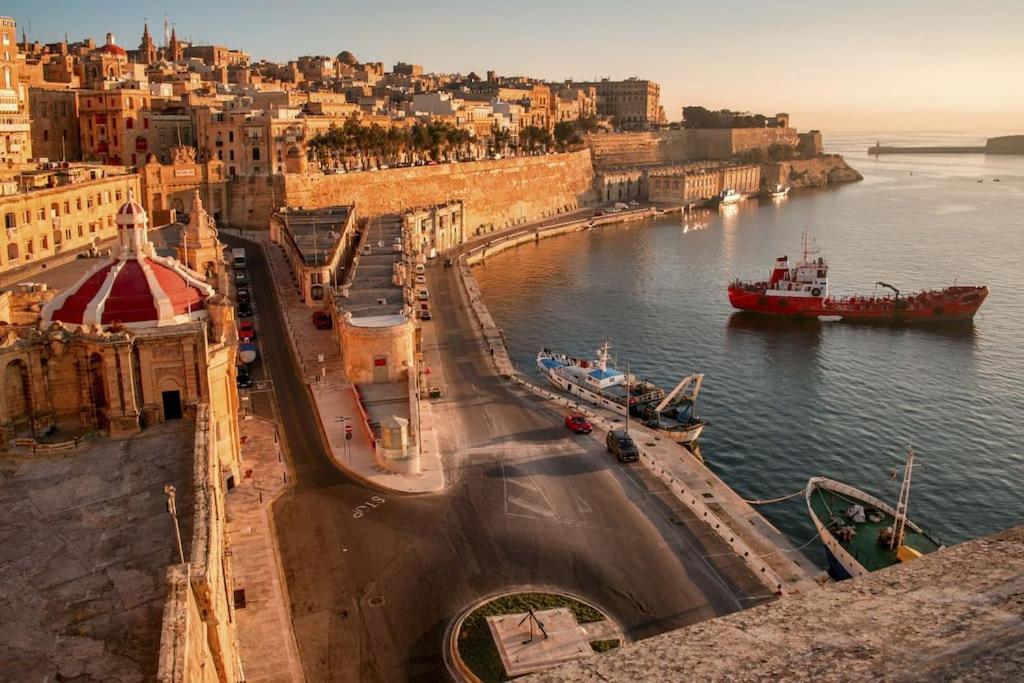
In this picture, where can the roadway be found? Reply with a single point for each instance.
(529, 504)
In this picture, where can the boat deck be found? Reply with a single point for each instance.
(864, 545)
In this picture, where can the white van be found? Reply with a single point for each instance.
(420, 269)
(424, 294)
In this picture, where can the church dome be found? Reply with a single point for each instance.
(112, 48)
(346, 57)
(138, 289)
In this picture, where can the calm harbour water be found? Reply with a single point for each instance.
(787, 401)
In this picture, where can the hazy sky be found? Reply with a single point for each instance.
(839, 66)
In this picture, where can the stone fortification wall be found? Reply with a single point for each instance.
(612, 150)
(818, 172)
(495, 194)
(952, 615)
(251, 201)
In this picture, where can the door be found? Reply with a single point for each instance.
(172, 405)
(380, 369)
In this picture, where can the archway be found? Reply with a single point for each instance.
(17, 391)
(98, 388)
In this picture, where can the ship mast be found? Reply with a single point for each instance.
(900, 524)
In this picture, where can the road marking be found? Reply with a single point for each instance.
(363, 508)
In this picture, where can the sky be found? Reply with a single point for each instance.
(864, 66)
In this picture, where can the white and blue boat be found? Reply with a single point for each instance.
(599, 382)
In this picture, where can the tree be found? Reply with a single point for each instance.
(565, 131)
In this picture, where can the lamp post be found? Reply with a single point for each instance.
(173, 511)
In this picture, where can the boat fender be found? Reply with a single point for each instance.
(816, 292)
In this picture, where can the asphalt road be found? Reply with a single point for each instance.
(530, 504)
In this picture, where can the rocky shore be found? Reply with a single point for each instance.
(820, 171)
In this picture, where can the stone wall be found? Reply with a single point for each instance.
(252, 200)
(612, 150)
(956, 614)
(185, 655)
(495, 194)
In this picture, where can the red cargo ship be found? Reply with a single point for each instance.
(802, 292)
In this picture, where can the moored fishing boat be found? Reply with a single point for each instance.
(728, 196)
(780, 191)
(599, 382)
(861, 533)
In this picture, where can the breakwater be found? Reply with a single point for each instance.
(1005, 144)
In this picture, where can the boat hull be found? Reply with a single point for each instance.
(683, 435)
(580, 392)
(781, 306)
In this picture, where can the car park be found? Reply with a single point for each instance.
(322, 320)
(578, 423)
(621, 444)
(244, 309)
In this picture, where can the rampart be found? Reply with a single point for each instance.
(611, 150)
(199, 640)
(817, 172)
(496, 194)
(956, 614)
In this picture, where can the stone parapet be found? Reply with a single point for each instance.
(956, 614)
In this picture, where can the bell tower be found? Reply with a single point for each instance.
(147, 48)
(199, 248)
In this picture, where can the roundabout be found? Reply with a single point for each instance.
(519, 632)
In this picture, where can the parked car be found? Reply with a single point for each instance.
(578, 423)
(621, 444)
(243, 377)
(425, 314)
(242, 295)
(447, 263)
(421, 279)
(322, 320)
(246, 330)
(244, 309)
(241, 279)
(423, 294)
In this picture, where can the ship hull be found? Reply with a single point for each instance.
(785, 307)
(683, 435)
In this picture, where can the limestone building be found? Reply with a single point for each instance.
(54, 118)
(73, 209)
(15, 132)
(632, 102)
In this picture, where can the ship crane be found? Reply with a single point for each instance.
(696, 380)
(887, 285)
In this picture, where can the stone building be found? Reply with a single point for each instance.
(171, 187)
(54, 117)
(113, 123)
(141, 340)
(250, 142)
(632, 103)
(438, 227)
(75, 210)
(695, 184)
(317, 243)
(621, 185)
(15, 131)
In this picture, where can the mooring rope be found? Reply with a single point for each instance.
(766, 501)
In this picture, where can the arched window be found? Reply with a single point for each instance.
(255, 153)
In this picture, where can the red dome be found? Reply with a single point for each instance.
(137, 289)
(113, 50)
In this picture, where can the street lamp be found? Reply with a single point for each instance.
(345, 422)
(173, 511)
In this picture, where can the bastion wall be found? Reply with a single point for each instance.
(611, 150)
(496, 193)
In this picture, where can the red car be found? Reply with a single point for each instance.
(322, 320)
(578, 423)
(246, 331)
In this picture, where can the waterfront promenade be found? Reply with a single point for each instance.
(779, 565)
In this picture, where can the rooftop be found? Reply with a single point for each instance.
(87, 540)
(957, 614)
(317, 232)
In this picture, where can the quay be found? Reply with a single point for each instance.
(769, 555)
